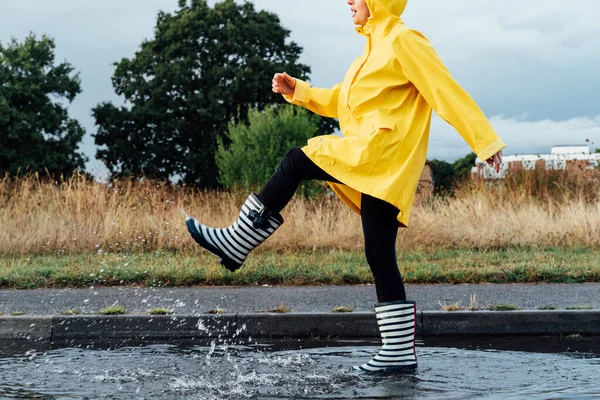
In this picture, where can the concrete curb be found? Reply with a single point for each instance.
(510, 323)
(173, 328)
(28, 328)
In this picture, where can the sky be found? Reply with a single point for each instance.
(532, 66)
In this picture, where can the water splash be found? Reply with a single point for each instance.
(201, 327)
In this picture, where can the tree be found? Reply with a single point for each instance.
(257, 148)
(462, 167)
(443, 173)
(447, 175)
(36, 133)
(204, 68)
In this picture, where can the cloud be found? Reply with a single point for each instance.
(541, 26)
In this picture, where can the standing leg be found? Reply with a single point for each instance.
(380, 228)
(396, 317)
(259, 217)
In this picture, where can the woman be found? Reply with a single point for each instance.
(384, 105)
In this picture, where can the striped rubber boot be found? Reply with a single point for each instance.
(233, 244)
(397, 326)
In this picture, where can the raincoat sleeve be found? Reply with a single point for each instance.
(320, 101)
(424, 68)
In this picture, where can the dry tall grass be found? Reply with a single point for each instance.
(81, 216)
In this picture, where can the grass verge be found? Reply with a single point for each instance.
(160, 311)
(342, 309)
(298, 268)
(112, 310)
(504, 307)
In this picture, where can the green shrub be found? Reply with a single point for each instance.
(256, 149)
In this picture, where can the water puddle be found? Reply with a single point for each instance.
(222, 371)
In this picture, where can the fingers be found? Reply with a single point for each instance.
(282, 83)
(499, 159)
(278, 83)
(497, 162)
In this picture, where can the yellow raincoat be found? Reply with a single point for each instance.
(384, 108)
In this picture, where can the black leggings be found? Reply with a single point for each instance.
(379, 222)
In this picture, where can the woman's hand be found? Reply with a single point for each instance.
(495, 161)
(284, 84)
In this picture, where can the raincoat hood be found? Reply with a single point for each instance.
(386, 8)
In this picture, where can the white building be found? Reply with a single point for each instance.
(561, 157)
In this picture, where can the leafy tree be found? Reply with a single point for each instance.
(257, 148)
(447, 176)
(36, 133)
(204, 68)
(443, 177)
(462, 167)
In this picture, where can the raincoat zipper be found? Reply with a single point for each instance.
(370, 48)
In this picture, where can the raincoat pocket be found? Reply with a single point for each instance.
(371, 124)
(379, 138)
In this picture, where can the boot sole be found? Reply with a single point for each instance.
(225, 261)
(408, 370)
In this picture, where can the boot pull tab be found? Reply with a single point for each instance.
(260, 218)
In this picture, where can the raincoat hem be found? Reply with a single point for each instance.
(402, 217)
